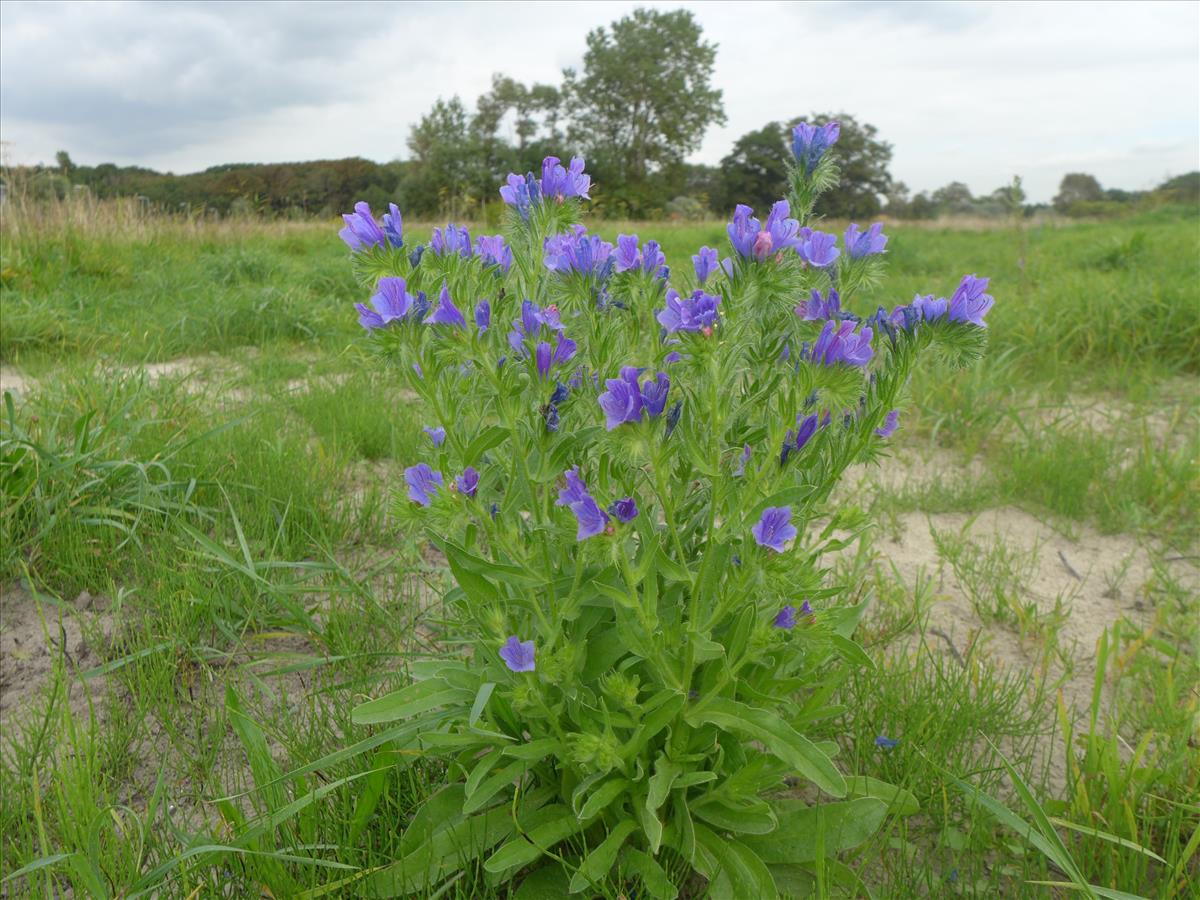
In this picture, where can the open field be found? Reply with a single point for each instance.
(202, 569)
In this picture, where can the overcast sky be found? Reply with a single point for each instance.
(974, 92)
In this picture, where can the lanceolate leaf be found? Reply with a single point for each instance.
(419, 697)
(779, 738)
(840, 826)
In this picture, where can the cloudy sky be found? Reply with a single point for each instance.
(974, 92)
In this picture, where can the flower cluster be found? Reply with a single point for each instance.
(362, 232)
(391, 303)
(630, 257)
(557, 183)
(590, 518)
(864, 243)
(576, 251)
(841, 344)
(625, 400)
(695, 313)
(494, 251)
(752, 239)
(809, 143)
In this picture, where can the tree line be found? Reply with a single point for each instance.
(637, 108)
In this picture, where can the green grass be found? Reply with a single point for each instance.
(239, 525)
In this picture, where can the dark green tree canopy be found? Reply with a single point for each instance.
(645, 95)
(1077, 187)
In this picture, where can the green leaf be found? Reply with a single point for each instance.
(550, 882)
(754, 816)
(851, 652)
(480, 772)
(654, 877)
(779, 737)
(522, 850)
(494, 784)
(490, 437)
(900, 802)
(535, 750)
(596, 865)
(840, 826)
(416, 698)
(733, 870)
(602, 797)
(481, 700)
(665, 773)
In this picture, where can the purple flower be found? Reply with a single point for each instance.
(969, 302)
(890, 424)
(393, 226)
(819, 249)
(628, 254)
(752, 239)
(866, 243)
(622, 402)
(437, 435)
(532, 319)
(805, 609)
(493, 251)
(705, 263)
(841, 344)
(696, 313)
(423, 483)
(817, 307)
(446, 313)
(362, 231)
(392, 303)
(654, 394)
(518, 654)
(483, 316)
(886, 743)
(468, 482)
(786, 618)
(577, 251)
(453, 239)
(744, 458)
(560, 183)
(775, 528)
(591, 519)
(794, 443)
(809, 143)
(521, 193)
(546, 356)
(625, 510)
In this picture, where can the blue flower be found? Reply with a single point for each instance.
(696, 313)
(705, 263)
(867, 243)
(890, 424)
(744, 458)
(423, 483)
(751, 239)
(437, 435)
(625, 510)
(518, 655)
(818, 248)
(886, 743)
(786, 618)
(393, 303)
(841, 344)
(625, 400)
(654, 394)
(393, 226)
(579, 252)
(362, 231)
(546, 356)
(591, 519)
(775, 528)
(817, 307)
(468, 482)
(794, 443)
(557, 183)
(494, 252)
(969, 303)
(446, 313)
(454, 239)
(809, 143)
(483, 316)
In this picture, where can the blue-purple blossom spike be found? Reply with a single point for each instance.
(446, 313)
(970, 303)
(864, 243)
(809, 143)
(361, 231)
(841, 344)
(557, 183)
(654, 394)
(753, 240)
(423, 483)
(890, 424)
(579, 252)
(436, 434)
(393, 226)
(786, 618)
(884, 742)
(624, 510)
(574, 490)
(775, 528)
(695, 313)
(392, 303)
(591, 519)
(817, 308)
(518, 655)
(492, 251)
(454, 239)
(468, 482)
(483, 316)
(628, 254)
(705, 263)
(819, 249)
(622, 401)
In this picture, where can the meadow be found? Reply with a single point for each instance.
(202, 570)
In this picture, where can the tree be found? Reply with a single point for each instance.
(63, 159)
(755, 170)
(444, 156)
(953, 199)
(1180, 189)
(1076, 188)
(644, 97)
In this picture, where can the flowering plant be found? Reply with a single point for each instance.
(629, 474)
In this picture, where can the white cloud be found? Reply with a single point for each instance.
(964, 91)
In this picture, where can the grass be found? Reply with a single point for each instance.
(186, 732)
